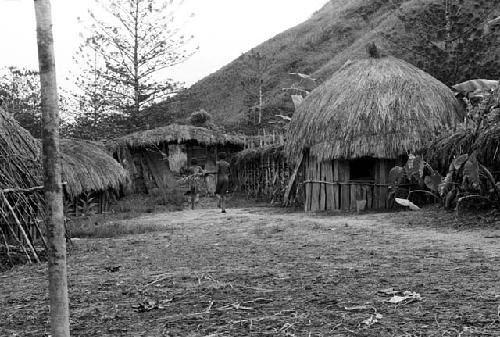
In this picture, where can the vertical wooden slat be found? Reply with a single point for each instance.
(322, 191)
(330, 198)
(336, 188)
(307, 186)
(355, 195)
(383, 180)
(315, 186)
(345, 190)
(376, 189)
(369, 196)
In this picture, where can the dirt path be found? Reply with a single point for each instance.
(261, 271)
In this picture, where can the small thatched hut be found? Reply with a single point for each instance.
(21, 207)
(155, 157)
(351, 130)
(87, 170)
(92, 176)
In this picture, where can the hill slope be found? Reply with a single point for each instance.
(319, 46)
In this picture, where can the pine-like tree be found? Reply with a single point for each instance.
(129, 48)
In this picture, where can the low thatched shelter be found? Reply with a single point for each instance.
(91, 175)
(156, 157)
(351, 130)
(88, 172)
(21, 204)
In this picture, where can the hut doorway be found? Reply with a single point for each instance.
(362, 169)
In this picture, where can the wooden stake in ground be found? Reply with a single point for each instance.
(58, 286)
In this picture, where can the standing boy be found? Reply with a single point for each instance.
(222, 185)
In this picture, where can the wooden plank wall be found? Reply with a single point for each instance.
(328, 186)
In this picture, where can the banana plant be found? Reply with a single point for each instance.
(466, 179)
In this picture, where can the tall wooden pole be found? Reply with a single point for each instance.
(58, 286)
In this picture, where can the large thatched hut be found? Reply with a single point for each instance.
(156, 157)
(351, 130)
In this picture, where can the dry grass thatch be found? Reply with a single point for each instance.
(20, 169)
(87, 167)
(19, 155)
(380, 107)
(176, 133)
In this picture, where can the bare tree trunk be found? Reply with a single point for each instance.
(58, 287)
(448, 27)
(136, 62)
(260, 100)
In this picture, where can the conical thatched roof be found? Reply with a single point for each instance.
(379, 106)
(87, 167)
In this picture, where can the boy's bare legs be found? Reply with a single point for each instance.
(223, 203)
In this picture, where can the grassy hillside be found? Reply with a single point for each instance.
(319, 46)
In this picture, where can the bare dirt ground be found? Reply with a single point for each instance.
(263, 271)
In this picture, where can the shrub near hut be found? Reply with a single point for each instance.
(467, 183)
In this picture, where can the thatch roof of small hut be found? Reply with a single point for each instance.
(176, 133)
(86, 166)
(380, 107)
(19, 154)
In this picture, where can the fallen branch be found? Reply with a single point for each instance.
(159, 279)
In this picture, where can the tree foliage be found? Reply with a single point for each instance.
(129, 48)
(451, 39)
(255, 67)
(200, 118)
(20, 96)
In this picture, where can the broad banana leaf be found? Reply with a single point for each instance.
(395, 174)
(476, 86)
(415, 167)
(471, 170)
(407, 203)
(459, 161)
(433, 181)
(447, 184)
(306, 81)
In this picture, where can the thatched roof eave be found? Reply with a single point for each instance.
(87, 167)
(177, 134)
